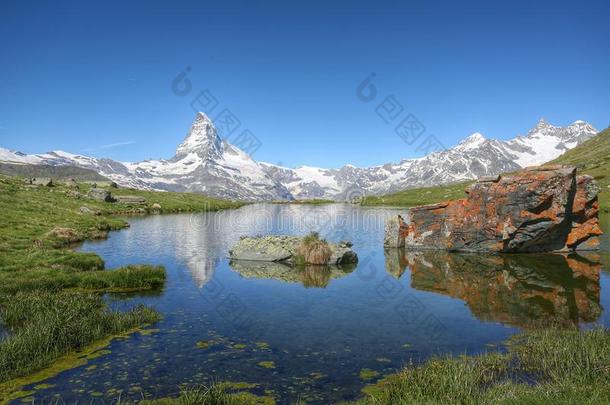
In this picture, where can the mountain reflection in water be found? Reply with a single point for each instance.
(518, 290)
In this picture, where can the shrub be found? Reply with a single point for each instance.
(314, 250)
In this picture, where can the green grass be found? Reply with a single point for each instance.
(592, 157)
(223, 393)
(50, 295)
(544, 366)
(419, 196)
(49, 325)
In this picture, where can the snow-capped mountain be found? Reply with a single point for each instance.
(204, 163)
(474, 157)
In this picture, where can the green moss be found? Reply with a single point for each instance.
(266, 364)
(149, 331)
(368, 374)
(239, 346)
(203, 344)
(262, 345)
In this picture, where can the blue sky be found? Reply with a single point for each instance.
(96, 77)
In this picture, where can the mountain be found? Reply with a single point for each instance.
(474, 157)
(204, 163)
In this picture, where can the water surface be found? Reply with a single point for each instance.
(318, 335)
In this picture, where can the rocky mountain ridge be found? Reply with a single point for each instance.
(204, 163)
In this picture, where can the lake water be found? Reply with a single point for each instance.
(317, 335)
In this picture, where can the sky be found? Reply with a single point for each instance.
(119, 79)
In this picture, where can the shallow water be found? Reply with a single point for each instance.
(316, 332)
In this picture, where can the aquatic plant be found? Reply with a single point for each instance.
(542, 366)
(47, 325)
(214, 394)
(313, 250)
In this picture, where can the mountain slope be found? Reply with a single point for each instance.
(55, 172)
(204, 163)
(474, 157)
(591, 157)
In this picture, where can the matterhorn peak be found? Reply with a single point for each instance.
(201, 139)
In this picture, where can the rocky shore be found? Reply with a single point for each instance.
(539, 209)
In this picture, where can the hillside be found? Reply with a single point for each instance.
(591, 157)
(55, 172)
(419, 196)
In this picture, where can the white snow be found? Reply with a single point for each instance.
(205, 163)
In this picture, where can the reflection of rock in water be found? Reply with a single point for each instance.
(520, 290)
(395, 262)
(309, 276)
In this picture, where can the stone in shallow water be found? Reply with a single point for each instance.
(283, 249)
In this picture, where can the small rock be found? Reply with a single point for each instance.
(100, 194)
(42, 181)
(85, 210)
(71, 183)
(130, 199)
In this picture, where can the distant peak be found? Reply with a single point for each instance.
(542, 127)
(477, 136)
(201, 139)
(473, 141)
(542, 124)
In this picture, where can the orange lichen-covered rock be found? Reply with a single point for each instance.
(539, 209)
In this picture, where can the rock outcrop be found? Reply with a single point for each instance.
(283, 249)
(539, 209)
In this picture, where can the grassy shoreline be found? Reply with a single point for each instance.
(559, 366)
(51, 296)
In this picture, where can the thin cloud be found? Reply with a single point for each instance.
(109, 146)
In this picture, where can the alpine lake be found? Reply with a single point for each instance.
(316, 334)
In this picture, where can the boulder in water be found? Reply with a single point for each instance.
(539, 209)
(285, 249)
